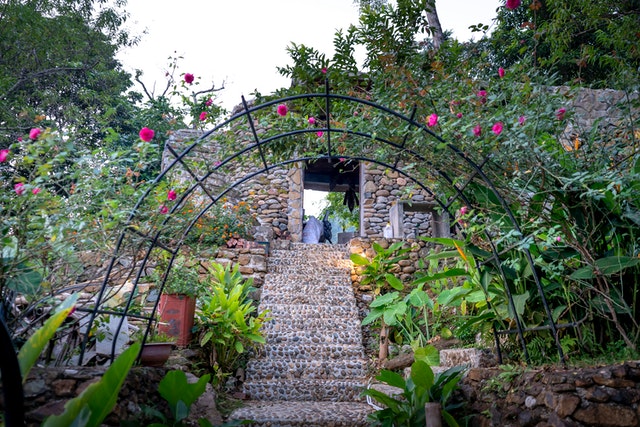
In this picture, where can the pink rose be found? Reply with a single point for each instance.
(4, 154)
(501, 72)
(164, 209)
(342, 159)
(203, 116)
(497, 128)
(560, 113)
(320, 133)
(464, 210)
(209, 102)
(146, 134)
(324, 70)
(34, 133)
(521, 120)
(171, 195)
(282, 110)
(482, 94)
(433, 120)
(19, 188)
(188, 78)
(35, 190)
(512, 4)
(217, 163)
(312, 120)
(477, 130)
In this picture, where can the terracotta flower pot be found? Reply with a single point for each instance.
(155, 353)
(176, 316)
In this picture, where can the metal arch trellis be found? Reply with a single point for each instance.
(260, 146)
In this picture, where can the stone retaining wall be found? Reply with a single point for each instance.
(602, 396)
(47, 391)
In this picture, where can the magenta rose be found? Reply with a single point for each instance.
(146, 134)
(477, 130)
(282, 110)
(203, 116)
(512, 4)
(171, 195)
(188, 78)
(560, 113)
(34, 133)
(4, 154)
(497, 128)
(19, 188)
(433, 120)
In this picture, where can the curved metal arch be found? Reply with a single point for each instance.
(260, 144)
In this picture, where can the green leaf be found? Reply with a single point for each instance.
(358, 259)
(613, 264)
(176, 390)
(384, 299)
(428, 354)
(391, 378)
(422, 374)
(31, 350)
(583, 273)
(520, 301)
(394, 282)
(100, 397)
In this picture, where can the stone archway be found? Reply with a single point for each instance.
(252, 155)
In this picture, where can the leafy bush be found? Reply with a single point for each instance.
(407, 409)
(226, 319)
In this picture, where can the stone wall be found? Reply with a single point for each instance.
(381, 189)
(600, 396)
(552, 396)
(405, 268)
(46, 391)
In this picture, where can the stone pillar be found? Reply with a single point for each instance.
(295, 203)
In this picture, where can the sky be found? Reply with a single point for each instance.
(240, 43)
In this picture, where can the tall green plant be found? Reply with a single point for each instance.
(378, 273)
(227, 322)
(422, 386)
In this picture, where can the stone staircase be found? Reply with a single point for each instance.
(312, 369)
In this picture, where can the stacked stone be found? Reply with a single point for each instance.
(404, 269)
(275, 197)
(312, 368)
(381, 188)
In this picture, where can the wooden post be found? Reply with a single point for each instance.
(432, 415)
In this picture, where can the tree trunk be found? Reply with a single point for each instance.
(384, 342)
(434, 24)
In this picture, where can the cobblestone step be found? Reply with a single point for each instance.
(309, 270)
(307, 311)
(308, 298)
(318, 325)
(279, 368)
(312, 352)
(303, 414)
(343, 390)
(273, 281)
(314, 337)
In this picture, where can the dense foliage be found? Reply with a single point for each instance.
(571, 185)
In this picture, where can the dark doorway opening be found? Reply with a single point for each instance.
(330, 177)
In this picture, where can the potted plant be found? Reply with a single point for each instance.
(177, 304)
(156, 349)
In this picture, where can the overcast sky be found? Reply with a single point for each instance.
(241, 42)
